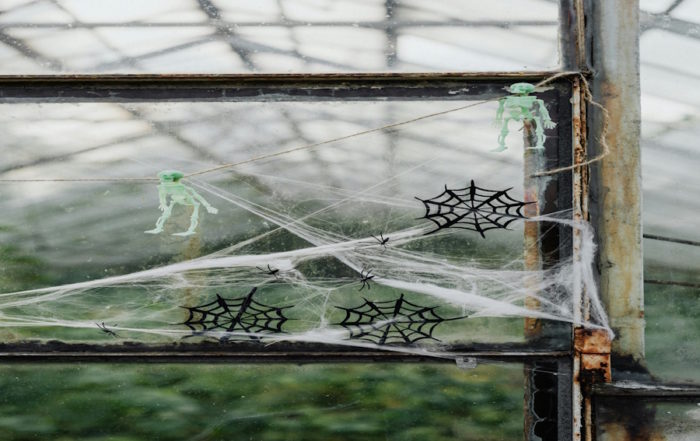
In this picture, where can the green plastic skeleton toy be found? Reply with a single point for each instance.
(520, 107)
(179, 194)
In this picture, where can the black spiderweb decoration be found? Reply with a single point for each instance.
(473, 208)
(242, 314)
(392, 322)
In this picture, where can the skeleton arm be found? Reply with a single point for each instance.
(544, 114)
(199, 197)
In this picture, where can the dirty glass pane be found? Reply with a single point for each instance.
(644, 419)
(670, 159)
(297, 227)
(261, 402)
(213, 36)
(673, 331)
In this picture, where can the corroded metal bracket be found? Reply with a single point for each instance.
(593, 347)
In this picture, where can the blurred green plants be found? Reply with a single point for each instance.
(261, 402)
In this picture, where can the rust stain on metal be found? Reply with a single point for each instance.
(580, 190)
(593, 346)
(592, 341)
(589, 363)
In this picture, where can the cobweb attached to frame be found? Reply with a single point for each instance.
(295, 236)
(298, 294)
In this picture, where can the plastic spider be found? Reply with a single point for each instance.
(104, 329)
(270, 271)
(381, 239)
(365, 277)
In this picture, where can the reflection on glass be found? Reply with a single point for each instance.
(213, 36)
(670, 160)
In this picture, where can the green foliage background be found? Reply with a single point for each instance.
(261, 402)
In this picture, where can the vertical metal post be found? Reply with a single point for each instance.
(547, 385)
(572, 35)
(533, 162)
(391, 8)
(615, 198)
(580, 207)
(615, 191)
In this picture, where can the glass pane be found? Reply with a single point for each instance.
(673, 332)
(261, 402)
(670, 129)
(212, 36)
(328, 244)
(648, 420)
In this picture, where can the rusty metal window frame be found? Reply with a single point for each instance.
(548, 372)
(559, 404)
(252, 88)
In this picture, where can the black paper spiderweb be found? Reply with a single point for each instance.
(392, 322)
(242, 314)
(473, 208)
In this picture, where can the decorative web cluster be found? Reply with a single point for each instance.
(472, 208)
(235, 315)
(391, 322)
(307, 257)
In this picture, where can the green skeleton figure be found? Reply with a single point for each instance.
(520, 107)
(179, 194)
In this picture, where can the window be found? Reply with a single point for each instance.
(332, 149)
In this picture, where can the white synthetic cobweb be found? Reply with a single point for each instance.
(320, 268)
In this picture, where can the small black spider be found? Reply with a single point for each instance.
(365, 277)
(381, 239)
(269, 271)
(104, 329)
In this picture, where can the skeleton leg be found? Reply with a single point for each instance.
(161, 220)
(502, 137)
(194, 221)
(539, 131)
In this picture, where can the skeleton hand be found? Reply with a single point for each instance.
(161, 207)
(211, 209)
(549, 124)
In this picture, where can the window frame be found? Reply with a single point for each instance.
(580, 23)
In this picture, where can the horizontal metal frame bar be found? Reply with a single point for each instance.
(650, 392)
(383, 24)
(296, 358)
(672, 283)
(263, 77)
(671, 239)
(255, 352)
(273, 87)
